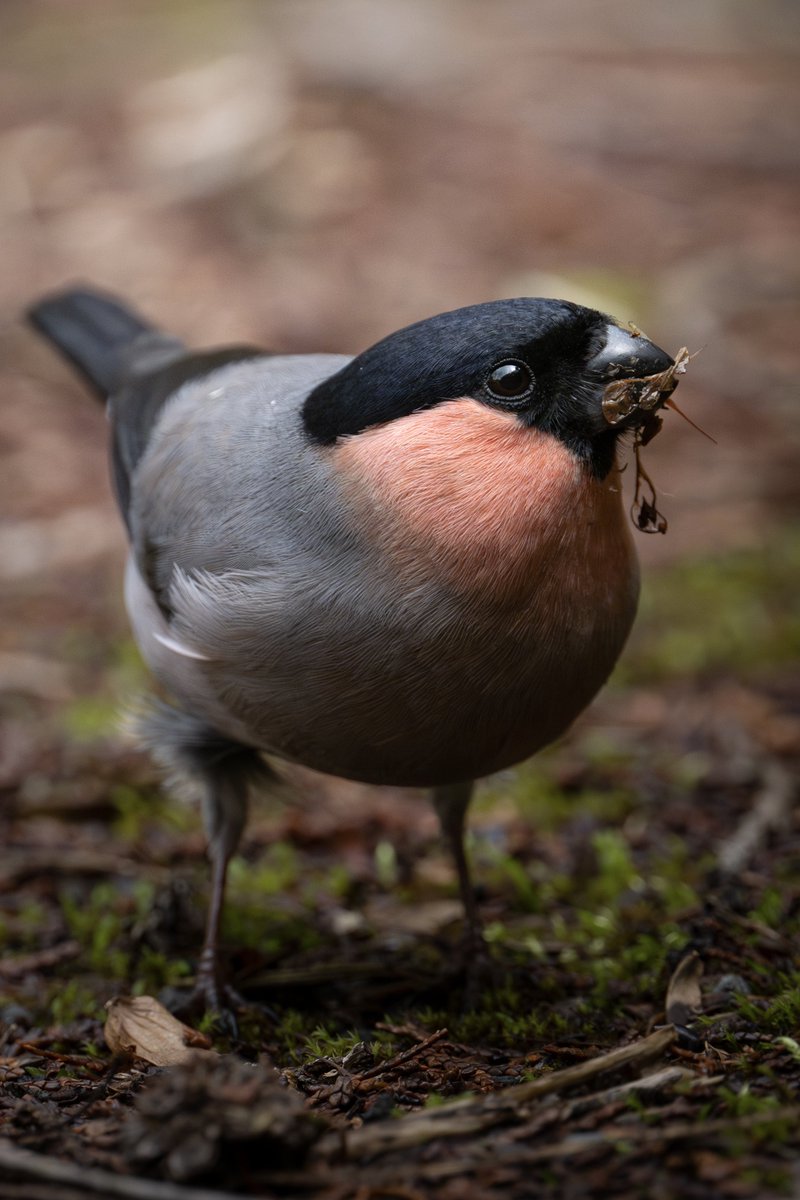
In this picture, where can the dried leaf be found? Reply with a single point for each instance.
(139, 1025)
(640, 398)
(644, 513)
(683, 992)
(623, 397)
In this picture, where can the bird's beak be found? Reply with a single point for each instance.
(636, 377)
(628, 355)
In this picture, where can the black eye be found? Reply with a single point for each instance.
(510, 381)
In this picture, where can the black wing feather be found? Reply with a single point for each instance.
(128, 361)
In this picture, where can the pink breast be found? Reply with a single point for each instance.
(489, 506)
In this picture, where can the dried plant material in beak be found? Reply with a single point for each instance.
(624, 397)
(640, 399)
(644, 510)
(139, 1025)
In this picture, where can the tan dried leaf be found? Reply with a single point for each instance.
(684, 997)
(622, 397)
(139, 1025)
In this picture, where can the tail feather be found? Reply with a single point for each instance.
(94, 331)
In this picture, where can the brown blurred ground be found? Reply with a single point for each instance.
(312, 174)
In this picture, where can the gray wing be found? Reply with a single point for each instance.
(227, 480)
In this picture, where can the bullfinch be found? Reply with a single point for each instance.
(411, 567)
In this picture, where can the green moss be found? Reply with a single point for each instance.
(386, 864)
(139, 808)
(302, 1036)
(783, 1012)
(322, 1042)
(737, 611)
(770, 908)
(72, 1001)
(154, 971)
(274, 873)
(540, 800)
(98, 925)
(31, 918)
(89, 718)
(505, 1017)
(615, 870)
(791, 1046)
(508, 870)
(102, 922)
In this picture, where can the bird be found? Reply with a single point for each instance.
(407, 567)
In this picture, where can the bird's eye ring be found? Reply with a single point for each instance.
(510, 382)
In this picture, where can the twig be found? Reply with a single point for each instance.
(392, 1063)
(26, 1189)
(770, 811)
(39, 960)
(82, 1061)
(648, 1085)
(18, 866)
(316, 973)
(475, 1113)
(634, 1136)
(90, 1179)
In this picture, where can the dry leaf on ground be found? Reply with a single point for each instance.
(140, 1025)
(684, 998)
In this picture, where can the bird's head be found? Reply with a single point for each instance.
(548, 364)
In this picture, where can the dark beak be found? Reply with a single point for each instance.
(628, 355)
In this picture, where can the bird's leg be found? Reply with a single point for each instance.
(224, 800)
(222, 772)
(451, 802)
(228, 778)
(207, 964)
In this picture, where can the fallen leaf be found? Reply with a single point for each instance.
(683, 991)
(139, 1025)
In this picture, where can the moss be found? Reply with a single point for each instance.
(770, 909)
(154, 971)
(89, 718)
(102, 922)
(783, 1012)
(31, 919)
(97, 923)
(73, 1001)
(137, 809)
(252, 917)
(301, 1036)
(275, 873)
(737, 611)
(541, 801)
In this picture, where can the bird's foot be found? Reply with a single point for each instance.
(214, 996)
(476, 966)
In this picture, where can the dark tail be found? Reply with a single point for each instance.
(94, 331)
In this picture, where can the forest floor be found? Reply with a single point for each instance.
(310, 177)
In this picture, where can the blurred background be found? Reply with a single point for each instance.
(313, 174)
